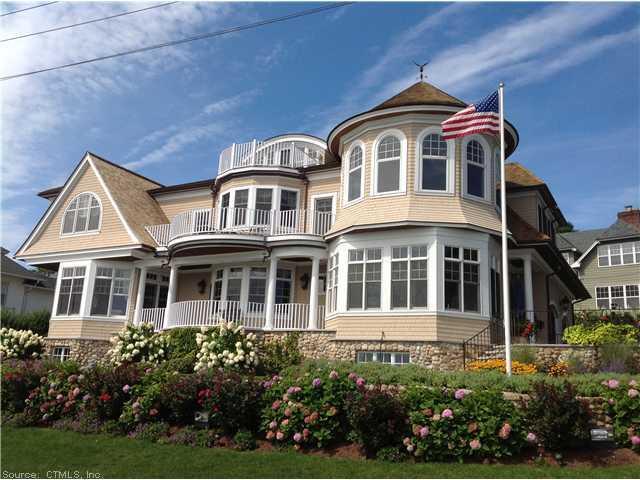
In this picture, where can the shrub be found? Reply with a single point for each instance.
(182, 342)
(106, 389)
(623, 405)
(499, 364)
(617, 317)
(19, 377)
(309, 410)
(278, 354)
(20, 344)
(37, 322)
(616, 357)
(601, 333)
(377, 419)
(523, 355)
(226, 345)
(391, 455)
(556, 416)
(244, 440)
(150, 432)
(187, 436)
(448, 425)
(138, 343)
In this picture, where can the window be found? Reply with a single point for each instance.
(224, 209)
(355, 175)
(70, 295)
(61, 354)
(155, 291)
(409, 277)
(364, 278)
(283, 285)
(392, 358)
(216, 293)
(627, 253)
(322, 215)
(433, 165)
(257, 284)
(388, 165)
(332, 283)
(110, 291)
(618, 297)
(263, 206)
(461, 295)
(234, 284)
(240, 204)
(288, 205)
(545, 224)
(82, 215)
(475, 169)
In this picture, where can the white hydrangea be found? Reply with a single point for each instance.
(20, 344)
(226, 345)
(138, 343)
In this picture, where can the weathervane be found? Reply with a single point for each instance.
(421, 67)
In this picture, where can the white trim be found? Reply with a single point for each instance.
(634, 253)
(85, 232)
(334, 200)
(132, 235)
(609, 298)
(402, 174)
(90, 254)
(347, 172)
(487, 170)
(450, 164)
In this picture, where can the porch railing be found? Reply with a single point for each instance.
(202, 313)
(160, 233)
(283, 153)
(153, 315)
(245, 220)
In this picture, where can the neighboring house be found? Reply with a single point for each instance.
(376, 243)
(607, 261)
(24, 290)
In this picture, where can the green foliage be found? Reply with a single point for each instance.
(617, 357)
(556, 416)
(391, 455)
(623, 404)
(244, 440)
(449, 425)
(278, 354)
(150, 432)
(37, 322)
(182, 343)
(617, 317)
(601, 334)
(18, 379)
(523, 354)
(226, 346)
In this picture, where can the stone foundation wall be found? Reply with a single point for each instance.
(85, 352)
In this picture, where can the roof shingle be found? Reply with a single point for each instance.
(421, 93)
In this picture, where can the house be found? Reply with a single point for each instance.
(380, 243)
(607, 261)
(24, 290)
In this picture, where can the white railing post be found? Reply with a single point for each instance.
(233, 155)
(313, 293)
(253, 151)
(140, 295)
(171, 295)
(271, 292)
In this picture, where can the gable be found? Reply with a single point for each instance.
(112, 231)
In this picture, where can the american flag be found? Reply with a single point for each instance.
(481, 117)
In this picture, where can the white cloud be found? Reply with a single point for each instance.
(271, 57)
(231, 103)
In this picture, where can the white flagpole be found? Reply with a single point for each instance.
(505, 253)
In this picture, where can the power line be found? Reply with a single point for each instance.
(56, 29)
(202, 36)
(25, 9)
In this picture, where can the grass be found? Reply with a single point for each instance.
(40, 451)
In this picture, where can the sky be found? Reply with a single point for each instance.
(571, 70)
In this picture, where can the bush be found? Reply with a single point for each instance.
(391, 455)
(187, 436)
(377, 419)
(106, 389)
(623, 404)
(616, 357)
(556, 416)
(138, 343)
(244, 440)
(601, 334)
(19, 377)
(37, 322)
(452, 425)
(20, 344)
(617, 317)
(150, 432)
(226, 345)
(499, 364)
(523, 355)
(182, 343)
(278, 354)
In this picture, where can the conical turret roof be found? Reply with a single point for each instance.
(420, 93)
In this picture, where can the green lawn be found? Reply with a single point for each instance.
(42, 450)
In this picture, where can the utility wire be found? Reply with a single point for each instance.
(56, 29)
(25, 9)
(202, 36)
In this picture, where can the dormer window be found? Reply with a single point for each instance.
(355, 175)
(82, 215)
(389, 164)
(475, 169)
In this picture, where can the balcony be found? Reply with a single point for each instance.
(291, 151)
(246, 221)
(206, 313)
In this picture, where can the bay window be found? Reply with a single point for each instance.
(461, 279)
(110, 291)
(475, 169)
(70, 295)
(355, 174)
(409, 277)
(364, 278)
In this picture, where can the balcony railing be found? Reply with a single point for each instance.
(203, 313)
(243, 220)
(283, 153)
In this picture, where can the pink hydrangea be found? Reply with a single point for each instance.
(635, 440)
(531, 437)
(273, 425)
(447, 413)
(613, 383)
(86, 398)
(287, 412)
(360, 382)
(316, 382)
(285, 422)
(505, 431)
(276, 405)
(60, 397)
(352, 376)
(279, 436)
(75, 392)
(270, 435)
(333, 375)
(475, 444)
(460, 393)
(633, 393)
(406, 441)
(424, 431)
(153, 412)
(306, 432)
(126, 389)
(297, 437)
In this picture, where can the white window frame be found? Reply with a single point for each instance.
(402, 176)
(94, 277)
(450, 161)
(407, 260)
(461, 262)
(333, 196)
(61, 353)
(376, 357)
(347, 172)
(364, 262)
(487, 169)
(635, 252)
(159, 281)
(85, 288)
(333, 269)
(609, 298)
(251, 204)
(73, 233)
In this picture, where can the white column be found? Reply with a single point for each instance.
(140, 296)
(313, 293)
(171, 294)
(528, 290)
(271, 292)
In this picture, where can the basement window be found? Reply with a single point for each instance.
(61, 354)
(391, 358)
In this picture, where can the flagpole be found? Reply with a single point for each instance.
(505, 253)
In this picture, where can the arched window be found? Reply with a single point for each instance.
(354, 174)
(475, 169)
(82, 214)
(433, 167)
(388, 165)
